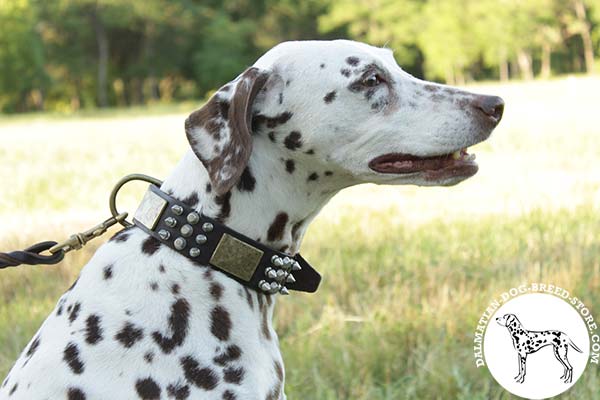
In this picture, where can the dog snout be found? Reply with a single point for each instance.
(490, 108)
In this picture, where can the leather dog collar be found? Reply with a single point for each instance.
(208, 242)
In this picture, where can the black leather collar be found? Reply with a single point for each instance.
(207, 242)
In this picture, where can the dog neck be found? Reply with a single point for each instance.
(276, 198)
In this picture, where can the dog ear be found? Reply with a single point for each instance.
(220, 132)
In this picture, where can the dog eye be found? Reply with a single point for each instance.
(372, 80)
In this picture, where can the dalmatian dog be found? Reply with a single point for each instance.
(528, 342)
(267, 151)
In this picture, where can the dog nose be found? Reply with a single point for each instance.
(491, 106)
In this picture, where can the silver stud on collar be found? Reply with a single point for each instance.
(296, 266)
(170, 222)
(284, 291)
(277, 261)
(194, 252)
(179, 243)
(164, 234)
(201, 239)
(271, 273)
(264, 286)
(177, 209)
(207, 227)
(290, 278)
(186, 230)
(193, 218)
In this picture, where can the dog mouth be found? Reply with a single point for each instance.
(456, 164)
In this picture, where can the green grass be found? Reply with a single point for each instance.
(398, 306)
(407, 271)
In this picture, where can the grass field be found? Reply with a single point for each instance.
(407, 271)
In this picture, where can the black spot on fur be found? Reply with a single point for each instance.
(33, 347)
(129, 335)
(149, 357)
(290, 166)
(208, 188)
(233, 375)
(329, 97)
(14, 389)
(74, 312)
(178, 324)
(161, 269)
(232, 353)
(352, 61)
(270, 122)
(107, 272)
(280, 98)
(277, 227)
(178, 391)
(216, 291)
(322, 66)
(147, 389)
(278, 370)
(328, 173)
(229, 395)
(204, 378)
(175, 288)
(74, 393)
(121, 236)
(293, 141)
(224, 201)
(220, 323)
(247, 181)
(310, 152)
(249, 298)
(150, 245)
(71, 357)
(154, 286)
(345, 72)
(192, 200)
(272, 136)
(313, 177)
(93, 330)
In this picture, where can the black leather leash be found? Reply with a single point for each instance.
(193, 235)
(31, 256)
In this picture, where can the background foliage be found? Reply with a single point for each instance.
(64, 55)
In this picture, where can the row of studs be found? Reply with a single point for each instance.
(281, 273)
(186, 230)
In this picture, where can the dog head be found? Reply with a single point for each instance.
(508, 320)
(343, 106)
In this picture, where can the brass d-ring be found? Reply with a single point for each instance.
(112, 201)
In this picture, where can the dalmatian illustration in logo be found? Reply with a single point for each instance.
(527, 342)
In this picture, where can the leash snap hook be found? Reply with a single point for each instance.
(78, 240)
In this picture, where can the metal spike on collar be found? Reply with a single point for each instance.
(290, 278)
(296, 266)
(271, 273)
(284, 291)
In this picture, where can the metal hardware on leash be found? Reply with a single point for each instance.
(78, 240)
(32, 255)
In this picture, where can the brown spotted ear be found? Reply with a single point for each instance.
(220, 131)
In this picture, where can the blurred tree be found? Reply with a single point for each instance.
(67, 54)
(390, 23)
(23, 81)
